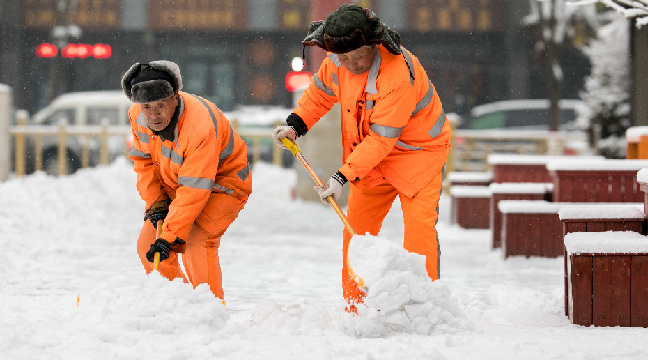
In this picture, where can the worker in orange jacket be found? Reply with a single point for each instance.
(395, 135)
(192, 172)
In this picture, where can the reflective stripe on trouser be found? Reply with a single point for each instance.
(200, 259)
(367, 210)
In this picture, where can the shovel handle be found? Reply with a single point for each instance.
(156, 258)
(292, 146)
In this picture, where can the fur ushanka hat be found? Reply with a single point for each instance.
(157, 80)
(350, 27)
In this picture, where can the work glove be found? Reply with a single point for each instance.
(164, 248)
(157, 211)
(160, 245)
(283, 131)
(335, 185)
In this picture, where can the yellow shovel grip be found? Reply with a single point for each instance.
(291, 145)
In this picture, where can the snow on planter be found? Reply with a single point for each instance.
(601, 211)
(608, 242)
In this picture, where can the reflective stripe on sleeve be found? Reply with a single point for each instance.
(137, 153)
(425, 101)
(221, 188)
(196, 183)
(408, 147)
(211, 112)
(244, 173)
(438, 125)
(320, 85)
(370, 104)
(386, 131)
(229, 148)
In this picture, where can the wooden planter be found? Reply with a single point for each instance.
(574, 220)
(607, 279)
(596, 180)
(466, 178)
(470, 206)
(512, 191)
(531, 228)
(508, 168)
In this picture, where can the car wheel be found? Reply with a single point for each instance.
(51, 162)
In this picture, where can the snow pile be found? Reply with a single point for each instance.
(401, 297)
(126, 304)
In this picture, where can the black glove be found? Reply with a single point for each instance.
(157, 211)
(160, 245)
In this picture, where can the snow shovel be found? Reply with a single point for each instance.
(292, 146)
(156, 258)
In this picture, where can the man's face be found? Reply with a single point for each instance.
(158, 114)
(358, 61)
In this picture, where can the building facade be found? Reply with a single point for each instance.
(237, 52)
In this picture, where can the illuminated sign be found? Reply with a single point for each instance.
(97, 51)
(46, 50)
(297, 79)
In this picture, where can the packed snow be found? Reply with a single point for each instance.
(72, 286)
(609, 242)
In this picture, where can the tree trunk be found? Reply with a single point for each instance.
(553, 72)
(554, 85)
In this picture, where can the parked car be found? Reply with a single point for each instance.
(83, 109)
(517, 126)
(521, 114)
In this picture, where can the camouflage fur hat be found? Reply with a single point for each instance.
(350, 27)
(157, 80)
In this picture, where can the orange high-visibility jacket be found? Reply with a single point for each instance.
(206, 156)
(393, 124)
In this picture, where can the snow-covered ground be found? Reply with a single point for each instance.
(72, 287)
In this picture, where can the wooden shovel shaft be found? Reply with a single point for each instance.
(292, 146)
(330, 198)
(156, 258)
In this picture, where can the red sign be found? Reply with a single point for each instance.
(297, 79)
(76, 50)
(97, 51)
(101, 51)
(46, 50)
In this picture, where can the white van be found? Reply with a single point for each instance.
(91, 108)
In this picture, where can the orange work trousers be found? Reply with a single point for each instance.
(200, 259)
(366, 212)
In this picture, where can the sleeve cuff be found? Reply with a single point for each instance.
(339, 177)
(297, 123)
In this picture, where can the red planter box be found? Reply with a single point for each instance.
(607, 279)
(596, 180)
(458, 179)
(531, 228)
(470, 206)
(522, 173)
(512, 191)
(631, 220)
